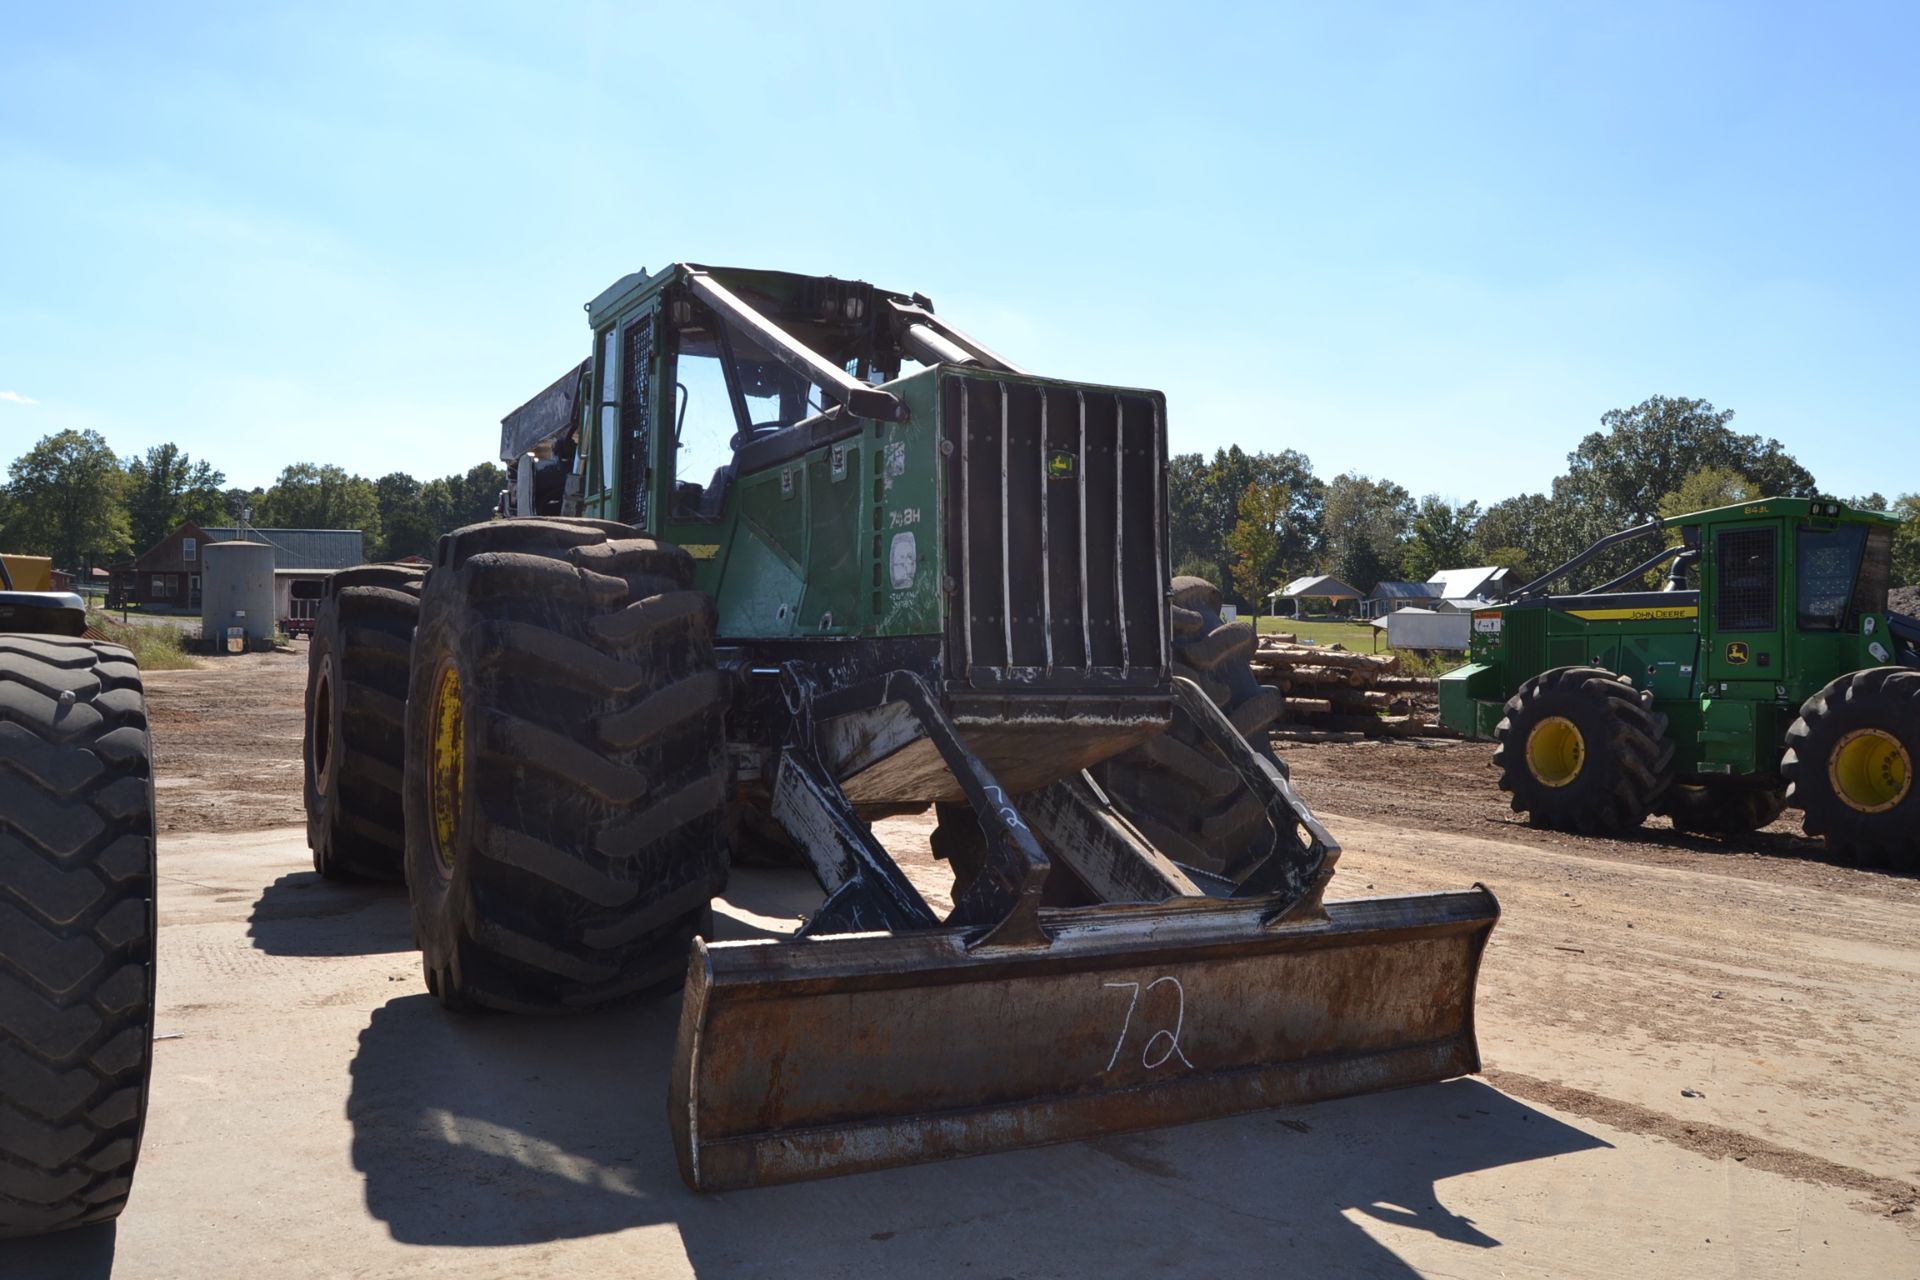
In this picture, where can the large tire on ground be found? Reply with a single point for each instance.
(1180, 791)
(355, 749)
(1850, 765)
(76, 930)
(1715, 808)
(566, 779)
(1580, 749)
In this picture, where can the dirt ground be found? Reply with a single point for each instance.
(226, 742)
(1699, 1061)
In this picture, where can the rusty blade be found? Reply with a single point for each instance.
(853, 1052)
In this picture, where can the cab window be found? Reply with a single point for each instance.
(1746, 570)
(1829, 560)
(727, 391)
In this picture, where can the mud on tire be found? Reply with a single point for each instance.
(1850, 766)
(1608, 783)
(355, 748)
(565, 703)
(1180, 792)
(76, 930)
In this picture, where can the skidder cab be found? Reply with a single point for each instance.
(787, 554)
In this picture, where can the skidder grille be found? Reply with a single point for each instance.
(1055, 511)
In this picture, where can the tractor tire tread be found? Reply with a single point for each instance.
(592, 836)
(76, 930)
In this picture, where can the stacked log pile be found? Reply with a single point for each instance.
(1334, 693)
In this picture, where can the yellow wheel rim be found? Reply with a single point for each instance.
(1556, 751)
(1870, 770)
(446, 763)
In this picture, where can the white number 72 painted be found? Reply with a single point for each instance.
(1173, 1049)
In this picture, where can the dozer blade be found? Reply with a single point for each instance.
(852, 1052)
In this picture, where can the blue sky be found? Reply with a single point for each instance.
(1428, 242)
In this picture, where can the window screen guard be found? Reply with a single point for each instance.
(1828, 561)
(1747, 581)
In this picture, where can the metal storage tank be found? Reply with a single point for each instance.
(236, 590)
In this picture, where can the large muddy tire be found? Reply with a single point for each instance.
(1850, 763)
(1715, 808)
(1580, 749)
(355, 749)
(76, 930)
(566, 779)
(1180, 791)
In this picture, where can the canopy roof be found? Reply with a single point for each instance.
(1319, 586)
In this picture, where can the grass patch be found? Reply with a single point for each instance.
(1357, 636)
(155, 646)
(1434, 662)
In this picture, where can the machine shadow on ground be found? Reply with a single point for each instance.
(494, 1131)
(85, 1253)
(301, 914)
(1767, 844)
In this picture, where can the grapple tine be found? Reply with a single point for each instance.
(858, 1052)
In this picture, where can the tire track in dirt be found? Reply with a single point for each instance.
(1890, 1195)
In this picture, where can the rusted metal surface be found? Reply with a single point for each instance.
(840, 1054)
(1081, 828)
(1021, 756)
(1295, 873)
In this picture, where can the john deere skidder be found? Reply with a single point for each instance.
(787, 554)
(1769, 674)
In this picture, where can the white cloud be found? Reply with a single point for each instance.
(16, 398)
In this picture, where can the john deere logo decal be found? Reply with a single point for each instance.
(1737, 653)
(1060, 465)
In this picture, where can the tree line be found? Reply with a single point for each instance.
(1254, 521)
(1249, 521)
(72, 498)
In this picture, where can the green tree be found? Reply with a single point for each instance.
(1441, 538)
(1616, 477)
(1507, 534)
(68, 501)
(238, 504)
(1256, 540)
(1367, 523)
(167, 487)
(1906, 541)
(454, 501)
(1203, 505)
(313, 496)
(1706, 489)
(405, 526)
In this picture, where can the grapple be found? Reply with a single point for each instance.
(882, 1035)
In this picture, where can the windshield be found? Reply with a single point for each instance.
(1829, 559)
(727, 390)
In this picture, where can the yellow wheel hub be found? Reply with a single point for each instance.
(1870, 770)
(446, 763)
(1556, 751)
